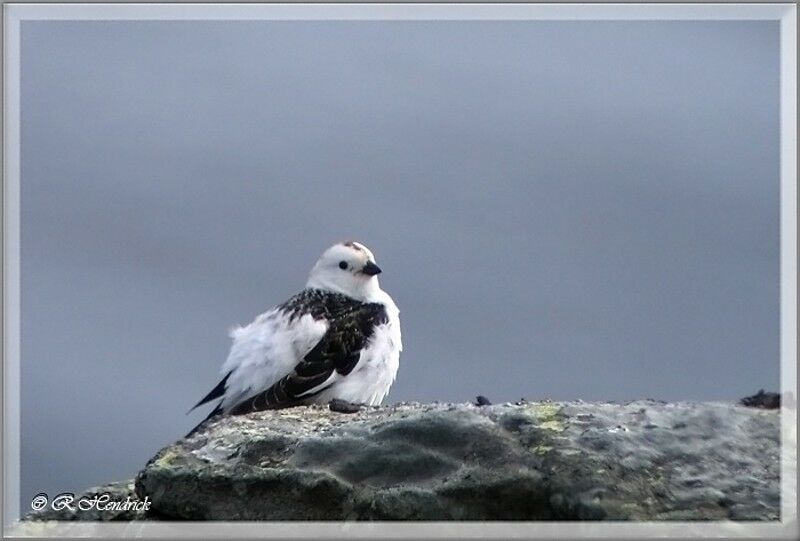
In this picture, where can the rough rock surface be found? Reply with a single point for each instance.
(643, 460)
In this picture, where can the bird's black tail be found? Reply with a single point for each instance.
(216, 392)
(217, 411)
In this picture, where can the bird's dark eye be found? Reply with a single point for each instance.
(343, 265)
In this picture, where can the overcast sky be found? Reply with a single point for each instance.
(562, 210)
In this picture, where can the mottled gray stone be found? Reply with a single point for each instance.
(643, 460)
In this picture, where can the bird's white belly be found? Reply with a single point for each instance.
(370, 380)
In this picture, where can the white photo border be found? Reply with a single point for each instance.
(15, 13)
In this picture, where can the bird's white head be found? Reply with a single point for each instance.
(348, 268)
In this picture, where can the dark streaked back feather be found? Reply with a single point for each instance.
(319, 304)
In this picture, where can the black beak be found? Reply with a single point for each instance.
(371, 269)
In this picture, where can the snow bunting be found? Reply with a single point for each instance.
(336, 340)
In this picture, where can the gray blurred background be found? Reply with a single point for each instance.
(562, 210)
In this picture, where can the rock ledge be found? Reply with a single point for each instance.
(643, 460)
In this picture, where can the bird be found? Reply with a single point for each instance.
(337, 341)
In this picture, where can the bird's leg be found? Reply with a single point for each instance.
(343, 406)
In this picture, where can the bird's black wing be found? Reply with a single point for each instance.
(338, 350)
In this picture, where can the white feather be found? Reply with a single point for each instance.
(265, 351)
